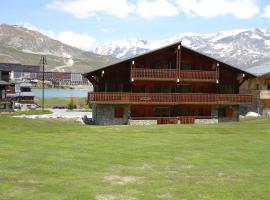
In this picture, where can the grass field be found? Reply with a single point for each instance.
(51, 102)
(41, 159)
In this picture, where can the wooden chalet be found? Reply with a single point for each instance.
(170, 85)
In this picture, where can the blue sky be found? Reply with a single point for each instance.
(88, 23)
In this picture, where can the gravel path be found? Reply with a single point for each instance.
(60, 114)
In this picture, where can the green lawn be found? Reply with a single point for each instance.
(51, 102)
(41, 159)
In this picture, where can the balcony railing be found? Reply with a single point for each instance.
(173, 75)
(154, 74)
(202, 76)
(168, 99)
(174, 120)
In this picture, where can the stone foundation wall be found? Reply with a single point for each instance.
(235, 117)
(206, 121)
(141, 122)
(104, 115)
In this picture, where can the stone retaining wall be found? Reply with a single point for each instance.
(141, 122)
(206, 121)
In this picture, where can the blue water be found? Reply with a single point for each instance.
(61, 93)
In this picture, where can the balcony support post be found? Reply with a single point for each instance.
(217, 72)
(132, 70)
(178, 62)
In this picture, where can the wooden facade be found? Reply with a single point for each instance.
(170, 84)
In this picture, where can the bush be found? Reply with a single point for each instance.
(71, 104)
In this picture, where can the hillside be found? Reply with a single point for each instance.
(21, 45)
(242, 48)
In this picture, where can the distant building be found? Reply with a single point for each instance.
(171, 85)
(19, 67)
(5, 87)
(22, 97)
(259, 87)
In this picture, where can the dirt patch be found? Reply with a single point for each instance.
(165, 196)
(123, 180)
(114, 197)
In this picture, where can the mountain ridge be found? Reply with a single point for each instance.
(243, 48)
(22, 45)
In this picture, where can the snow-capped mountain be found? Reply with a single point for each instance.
(22, 45)
(243, 48)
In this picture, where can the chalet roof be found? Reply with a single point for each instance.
(164, 47)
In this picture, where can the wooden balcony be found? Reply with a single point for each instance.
(168, 99)
(173, 75)
(154, 74)
(174, 120)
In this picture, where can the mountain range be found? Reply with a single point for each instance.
(241, 48)
(246, 48)
(21, 45)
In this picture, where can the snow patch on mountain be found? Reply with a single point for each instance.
(243, 48)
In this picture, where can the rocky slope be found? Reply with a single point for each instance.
(21, 45)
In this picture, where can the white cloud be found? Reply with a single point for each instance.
(79, 40)
(85, 8)
(149, 9)
(242, 9)
(267, 11)
(153, 8)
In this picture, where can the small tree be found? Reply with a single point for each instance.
(71, 104)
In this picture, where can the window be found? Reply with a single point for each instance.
(164, 64)
(25, 89)
(118, 112)
(183, 89)
(257, 87)
(186, 66)
(184, 111)
(2, 106)
(162, 89)
(225, 89)
(113, 87)
(268, 86)
(221, 112)
(162, 112)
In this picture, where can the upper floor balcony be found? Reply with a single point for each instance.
(168, 98)
(174, 75)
